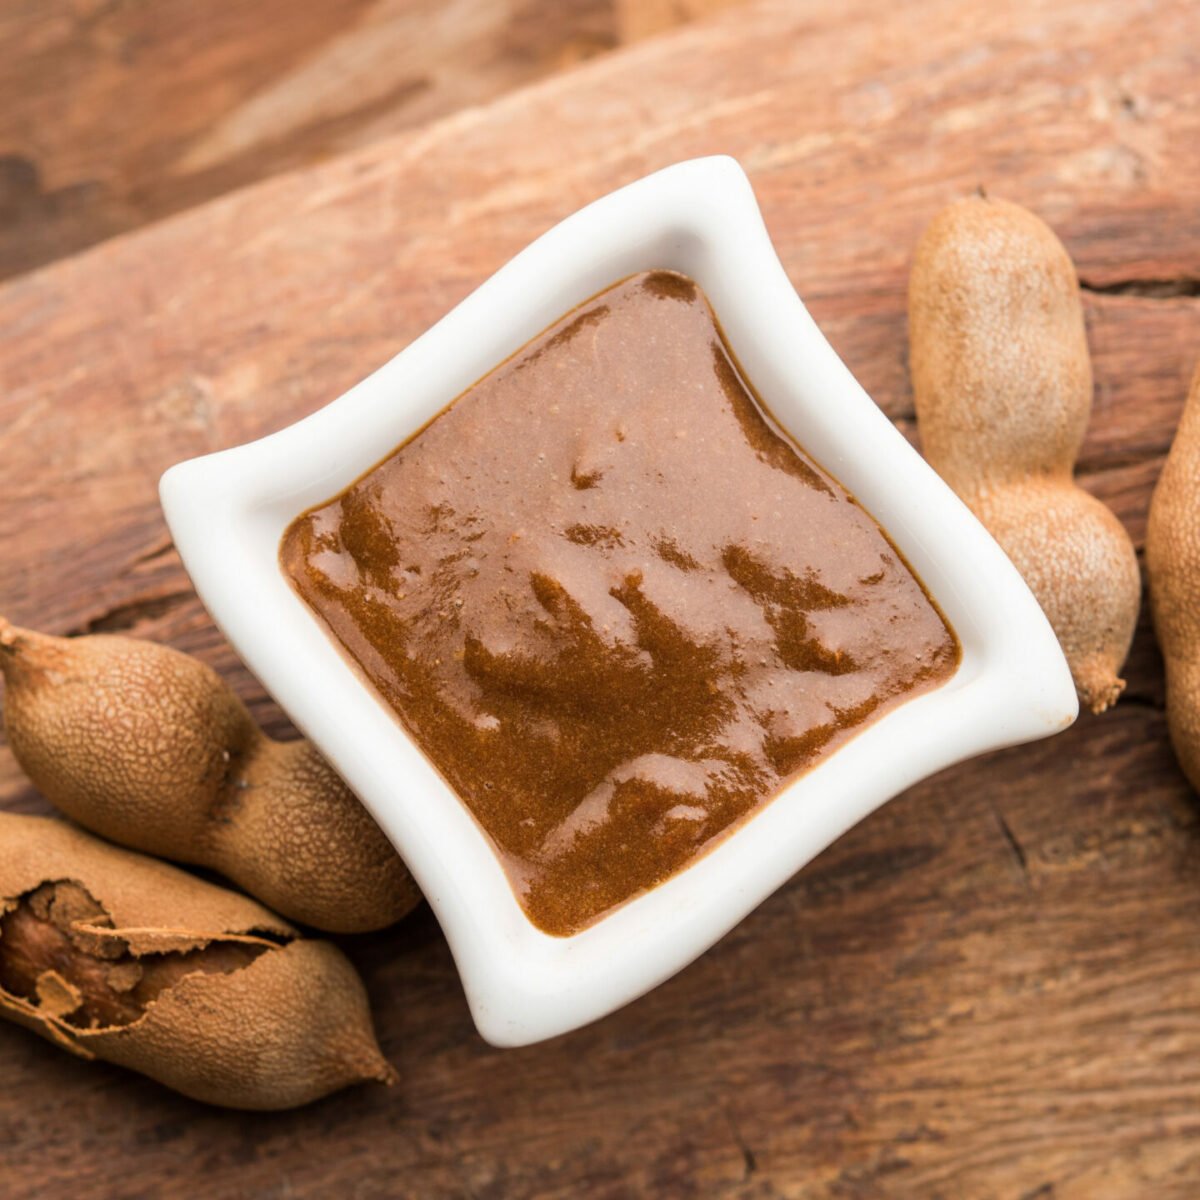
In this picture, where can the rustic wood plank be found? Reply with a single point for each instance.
(989, 989)
(115, 114)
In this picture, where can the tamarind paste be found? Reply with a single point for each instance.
(614, 604)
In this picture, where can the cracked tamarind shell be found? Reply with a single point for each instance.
(150, 748)
(1173, 567)
(1003, 387)
(115, 956)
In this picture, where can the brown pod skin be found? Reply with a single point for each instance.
(118, 957)
(1173, 567)
(151, 748)
(1003, 388)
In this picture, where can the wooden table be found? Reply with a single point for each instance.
(116, 114)
(989, 989)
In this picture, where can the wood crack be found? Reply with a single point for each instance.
(1148, 289)
(1018, 851)
(749, 1159)
(121, 617)
(156, 552)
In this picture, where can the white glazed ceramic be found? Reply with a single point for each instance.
(228, 511)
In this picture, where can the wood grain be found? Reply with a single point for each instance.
(113, 114)
(637, 19)
(991, 988)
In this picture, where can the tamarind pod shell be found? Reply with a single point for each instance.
(289, 1026)
(1002, 383)
(150, 748)
(1173, 568)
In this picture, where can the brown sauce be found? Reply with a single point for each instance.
(613, 604)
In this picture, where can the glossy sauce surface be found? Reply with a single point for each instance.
(613, 604)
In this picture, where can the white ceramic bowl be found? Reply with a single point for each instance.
(228, 511)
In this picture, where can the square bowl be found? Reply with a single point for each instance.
(228, 512)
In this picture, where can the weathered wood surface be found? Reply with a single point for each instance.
(115, 114)
(989, 989)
